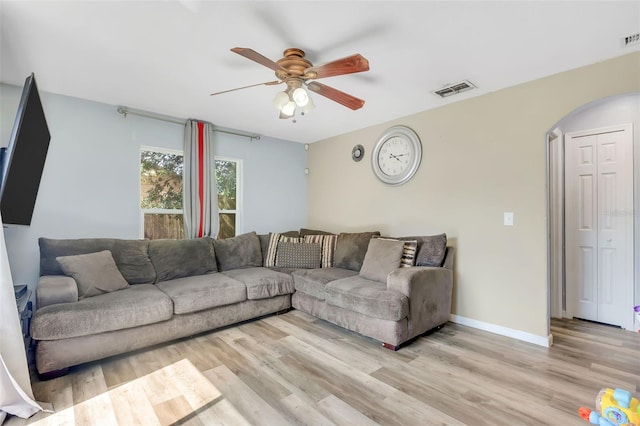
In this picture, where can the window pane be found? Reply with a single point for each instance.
(160, 180)
(163, 225)
(226, 181)
(227, 225)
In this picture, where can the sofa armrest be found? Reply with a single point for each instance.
(429, 290)
(54, 289)
(448, 258)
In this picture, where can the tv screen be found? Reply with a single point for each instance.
(23, 159)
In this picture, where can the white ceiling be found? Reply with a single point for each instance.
(168, 56)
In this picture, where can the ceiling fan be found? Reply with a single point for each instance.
(297, 72)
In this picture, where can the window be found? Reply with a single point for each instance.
(161, 194)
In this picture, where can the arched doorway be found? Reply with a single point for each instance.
(604, 113)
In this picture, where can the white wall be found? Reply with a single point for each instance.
(606, 112)
(90, 183)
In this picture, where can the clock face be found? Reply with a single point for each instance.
(397, 155)
(394, 156)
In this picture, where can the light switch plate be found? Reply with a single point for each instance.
(508, 218)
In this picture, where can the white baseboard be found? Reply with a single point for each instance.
(503, 331)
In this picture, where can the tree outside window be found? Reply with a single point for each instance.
(161, 194)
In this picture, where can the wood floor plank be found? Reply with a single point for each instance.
(248, 403)
(304, 413)
(341, 413)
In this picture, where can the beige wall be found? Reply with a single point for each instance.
(481, 157)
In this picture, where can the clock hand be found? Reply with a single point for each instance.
(395, 156)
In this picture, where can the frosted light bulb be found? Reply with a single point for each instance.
(300, 96)
(289, 108)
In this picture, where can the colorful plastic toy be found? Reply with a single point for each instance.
(613, 408)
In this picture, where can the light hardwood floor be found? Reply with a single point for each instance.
(295, 369)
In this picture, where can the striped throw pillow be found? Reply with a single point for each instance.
(272, 248)
(328, 247)
(409, 253)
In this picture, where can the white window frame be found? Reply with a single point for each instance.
(238, 210)
(239, 191)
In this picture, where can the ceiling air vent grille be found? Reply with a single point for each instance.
(453, 89)
(631, 39)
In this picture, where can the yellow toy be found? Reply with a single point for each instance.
(613, 408)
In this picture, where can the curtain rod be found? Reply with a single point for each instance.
(126, 111)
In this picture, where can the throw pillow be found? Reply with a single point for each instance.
(298, 255)
(182, 258)
(351, 248)
(94, 273)
(272, 248)
(242, 251)
(327, 246)
(383, 257)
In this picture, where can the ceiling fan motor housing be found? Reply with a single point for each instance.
(294, 63)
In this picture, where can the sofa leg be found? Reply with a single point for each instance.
(53, 374)
(390, 346)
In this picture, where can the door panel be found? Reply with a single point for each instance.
(581, 214)
(599, 225)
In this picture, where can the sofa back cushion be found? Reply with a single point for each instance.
(431, 249)
(242, 251)
(351, 249)
(131, 256)
(182, 258)
(304, 232)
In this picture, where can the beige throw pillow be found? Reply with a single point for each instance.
(383, 257)
(94, 273)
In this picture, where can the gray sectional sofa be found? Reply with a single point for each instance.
(100, 297)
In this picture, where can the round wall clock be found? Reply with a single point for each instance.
(397, 155)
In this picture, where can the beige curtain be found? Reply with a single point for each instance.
(16, 396)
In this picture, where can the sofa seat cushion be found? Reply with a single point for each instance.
(191, 294)
(367, 297)
(137, 305)
(262, 282)
(313, 281)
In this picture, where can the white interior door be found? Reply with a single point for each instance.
(599, 225)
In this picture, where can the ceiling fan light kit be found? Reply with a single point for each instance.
(296, 71)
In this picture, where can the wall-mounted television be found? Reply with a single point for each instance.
(22, 162)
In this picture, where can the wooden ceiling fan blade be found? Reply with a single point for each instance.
(268, 83)
(349, 65)
(256, 57)
(336, 95)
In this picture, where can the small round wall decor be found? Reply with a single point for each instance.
(357, 153)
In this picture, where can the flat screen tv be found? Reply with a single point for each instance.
(23, 160)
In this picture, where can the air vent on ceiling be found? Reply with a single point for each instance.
(453, 89)
(631, 39)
